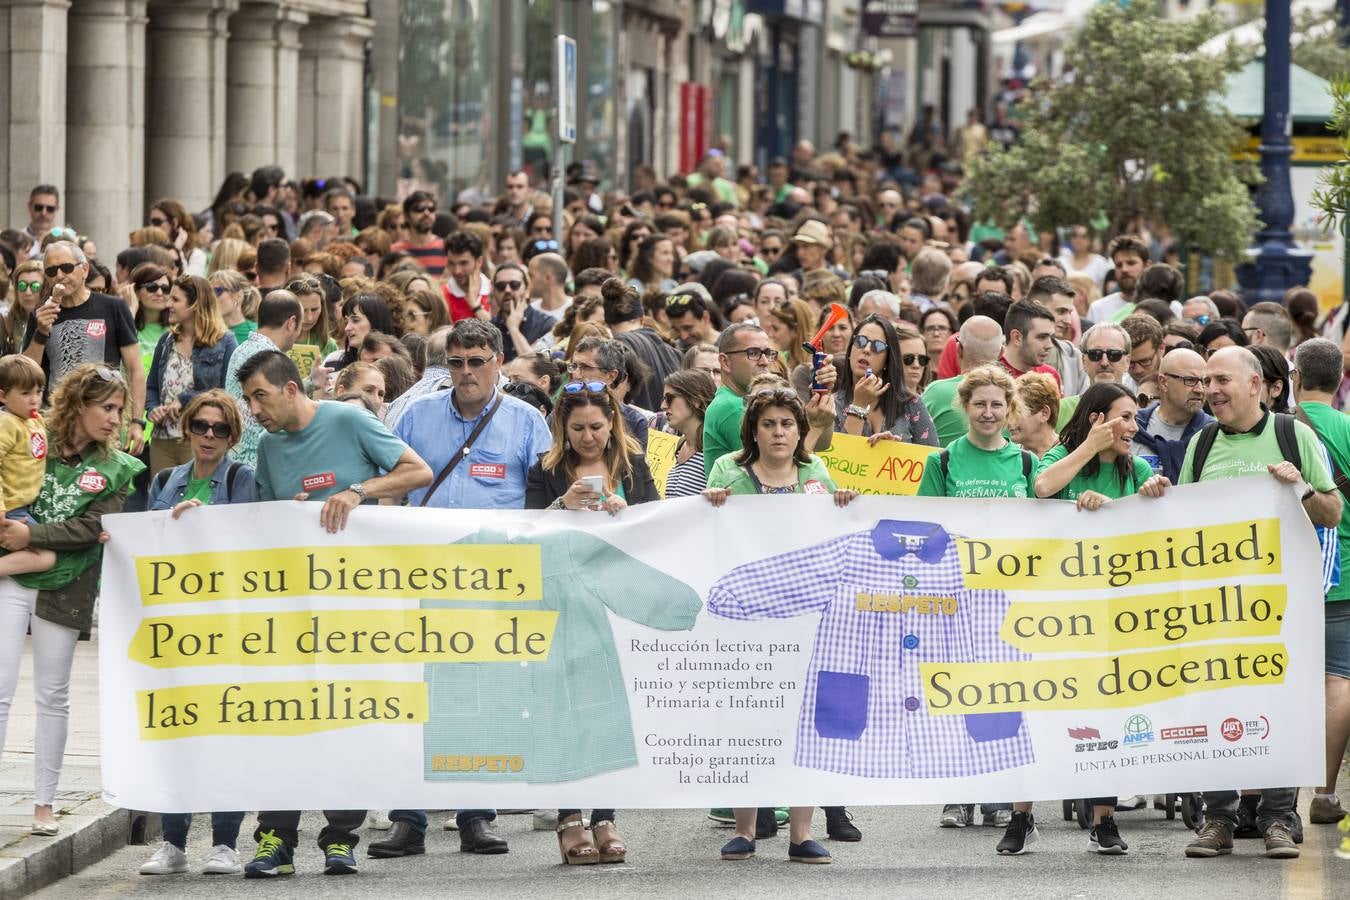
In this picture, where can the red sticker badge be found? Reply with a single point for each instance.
(37, 445)
(488, 470)
(96, 328)
(91, 482)
(318, 482)
(814, 487)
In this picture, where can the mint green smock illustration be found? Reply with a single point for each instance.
(564, 718)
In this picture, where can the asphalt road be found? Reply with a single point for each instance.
(673, 853)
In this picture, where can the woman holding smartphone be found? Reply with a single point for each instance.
(592, 465)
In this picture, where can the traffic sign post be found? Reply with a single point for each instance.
(565, 87)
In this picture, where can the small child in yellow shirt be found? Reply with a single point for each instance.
(23, 454)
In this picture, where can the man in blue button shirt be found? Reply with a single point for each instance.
(490, 476)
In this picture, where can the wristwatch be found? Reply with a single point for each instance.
(358, 491)
(1308, 494)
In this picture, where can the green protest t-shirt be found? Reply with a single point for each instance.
(1333, 427)
(1106, 481)
(199, 489)
(972, 472)
(950, 422)
(722, 427)
(1239, 455)
(1067, 407)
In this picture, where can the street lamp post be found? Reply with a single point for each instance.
(1275, 263)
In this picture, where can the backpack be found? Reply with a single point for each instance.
(944, 462)
(162, 478)
(1284, 436)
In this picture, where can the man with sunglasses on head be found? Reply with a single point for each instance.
(1106, 355)
(693, 316)
(76, 325)
(44, 201)
(480, 443)
(1167, 425)
(519, 321)
(419, 214)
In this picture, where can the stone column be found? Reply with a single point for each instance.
(105, 142)
(35, 145)
(263, 87)
(185, 120)
(334, 102)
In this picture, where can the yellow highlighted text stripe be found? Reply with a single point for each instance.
(501, 572)
(346, 637)
(1153, 620)
(266, 708)
(1103, 682)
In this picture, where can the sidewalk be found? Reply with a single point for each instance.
(90, 829)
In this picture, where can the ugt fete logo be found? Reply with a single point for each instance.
(1138, 730)
(1234, 729)
(1089, 740)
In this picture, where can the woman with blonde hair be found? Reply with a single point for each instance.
(190, 357)
(226, 255)
(422, 312)
(28, 283)
(237, 299)
(790, 325)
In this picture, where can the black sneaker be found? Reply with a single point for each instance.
(839, 825)
(1020, 834)
(766, 823)
(1105, 838)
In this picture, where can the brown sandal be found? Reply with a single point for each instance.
(579, 851)
(609, 845)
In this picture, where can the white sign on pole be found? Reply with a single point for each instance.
(567, 89)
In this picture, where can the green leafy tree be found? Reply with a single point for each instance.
(1333, 186)
(1137, 133)
(1317, 44)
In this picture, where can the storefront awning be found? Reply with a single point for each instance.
(1309, 96)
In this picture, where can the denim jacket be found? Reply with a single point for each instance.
(175, 482)
(208, 369)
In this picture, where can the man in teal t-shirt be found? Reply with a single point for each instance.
(1247, 445)
(744, 351)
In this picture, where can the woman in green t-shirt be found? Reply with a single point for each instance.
(1092, 462)
(774, 460)
(982, 462)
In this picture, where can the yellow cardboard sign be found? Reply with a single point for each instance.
(661, 457)
(891, 467)
(304, 355)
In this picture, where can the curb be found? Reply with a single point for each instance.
(90, 832)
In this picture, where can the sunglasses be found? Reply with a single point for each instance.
(508, 285)
(1096, 355)
(158, 223)
(473, 362)
(156, 288)
(770, 250)
(863, 343)
(68, 233)
(1144, 399)
(220, 291)
(544, 246)
(217, 429)
(44, 207)
(679, 301)
(24, 287)
(108, 375)
(590, 387)
(921, 359)
(875, 273)
(424, 209)
(251, 275)
(778, 394)
(1201, 320)
(304, 286)
(65, 268)
(668, 398)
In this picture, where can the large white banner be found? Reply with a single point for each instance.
(778, 650)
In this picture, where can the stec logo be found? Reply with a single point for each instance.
(1090, 741)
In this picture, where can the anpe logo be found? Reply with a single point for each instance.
(1138, 730)
(1231, 729)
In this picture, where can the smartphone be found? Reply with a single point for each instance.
(596, 483)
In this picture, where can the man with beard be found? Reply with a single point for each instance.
(1129, 255)
(419, 211)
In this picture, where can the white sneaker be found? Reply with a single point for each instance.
(168, 860)
(378, 820)
(222, 861)
(1135, 801)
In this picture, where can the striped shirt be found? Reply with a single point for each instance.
(430, 256)
(686, 478)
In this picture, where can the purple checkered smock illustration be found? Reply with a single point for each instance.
(890, 599)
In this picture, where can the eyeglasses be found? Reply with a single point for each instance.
(156, 288)
(754, 354)
(575, 367)
(542, 228)
(24, 287)
(863, 343)
(1247, 330)
(590, 387)
(1189, 380)
(412, 312)
(922, 359)
(473, 362)
(44, 207)
(424, 208)
(508, 285)
(65, 268)
(1096, 355)
(200, 427)
(935, 330)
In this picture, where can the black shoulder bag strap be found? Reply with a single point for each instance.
(1287, 439)
(1204, 442)
(462, 452)
(230, 474)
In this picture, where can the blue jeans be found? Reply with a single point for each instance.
(224, 828)
(417, 818)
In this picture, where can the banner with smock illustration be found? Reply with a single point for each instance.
(777, 650)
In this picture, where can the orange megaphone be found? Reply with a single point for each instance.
(837, 314)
